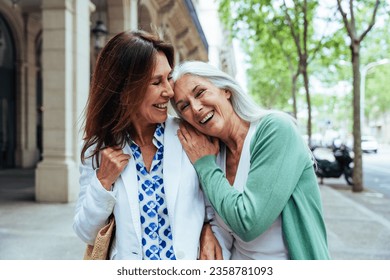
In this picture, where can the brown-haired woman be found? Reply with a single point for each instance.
(132, 162)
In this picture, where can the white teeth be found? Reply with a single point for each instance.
(161, 106)
(207, 117)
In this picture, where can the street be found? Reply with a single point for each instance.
(358, 224)
(376, 171)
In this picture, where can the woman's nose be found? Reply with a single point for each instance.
(168, 90)
(196, 106)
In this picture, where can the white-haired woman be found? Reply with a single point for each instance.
(262, 184)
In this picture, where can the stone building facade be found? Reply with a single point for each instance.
(47, 55)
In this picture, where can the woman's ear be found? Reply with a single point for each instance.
(227, 93)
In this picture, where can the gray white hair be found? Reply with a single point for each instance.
(242, 103)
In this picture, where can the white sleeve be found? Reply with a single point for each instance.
(94, 204)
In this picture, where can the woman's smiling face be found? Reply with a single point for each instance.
(202, 104)
(153, 108)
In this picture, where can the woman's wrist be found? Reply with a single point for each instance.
(205, 160)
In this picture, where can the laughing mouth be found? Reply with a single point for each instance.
(207, 117)
(161, 105)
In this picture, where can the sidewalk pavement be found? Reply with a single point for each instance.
(358, 224)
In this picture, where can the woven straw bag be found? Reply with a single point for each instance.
(100, 249)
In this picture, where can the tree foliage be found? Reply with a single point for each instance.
(280, 37)
(284, 40)
(377, 99)
(271, 52)
(377, 91)
(269, 80)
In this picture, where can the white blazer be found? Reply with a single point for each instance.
(185, 203)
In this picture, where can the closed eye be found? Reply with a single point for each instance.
(159, 80)
(156, 83)
(183, 106)
(199, 93)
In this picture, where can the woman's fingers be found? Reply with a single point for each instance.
(195, 143)
(113, 161)
(218, 253)
(185, 131)
(210, 248)
(124, 157)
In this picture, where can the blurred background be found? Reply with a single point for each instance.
(316, 60)
(327, 63)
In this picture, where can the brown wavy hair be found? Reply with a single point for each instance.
(122, 74)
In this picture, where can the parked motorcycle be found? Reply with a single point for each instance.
(333, 163)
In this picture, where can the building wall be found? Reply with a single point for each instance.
(221, 52)
(25, 29)
(54, 57)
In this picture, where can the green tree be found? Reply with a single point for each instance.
(269, 75)
(376, 48)
(377, 99)
(353, 22)
(271, 54)
(282, 35)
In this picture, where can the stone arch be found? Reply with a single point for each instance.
(14, 22)
(8, 100)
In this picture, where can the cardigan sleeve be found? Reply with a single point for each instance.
(278, 156)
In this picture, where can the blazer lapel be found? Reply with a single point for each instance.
(129, 178)
(172, 165)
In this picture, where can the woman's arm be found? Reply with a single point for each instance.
(278, 158)
(96, 201)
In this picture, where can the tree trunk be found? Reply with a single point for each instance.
(306, 84)
(357, 148)
(294, 93)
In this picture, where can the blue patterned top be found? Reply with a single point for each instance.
(156, 231)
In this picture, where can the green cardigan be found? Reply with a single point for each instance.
(281, 181)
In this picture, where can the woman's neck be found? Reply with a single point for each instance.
(143, 135)
(235, 136)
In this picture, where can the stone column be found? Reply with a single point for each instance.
(118, 16)
(27, 152)
(65, 59)
(133, 14)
